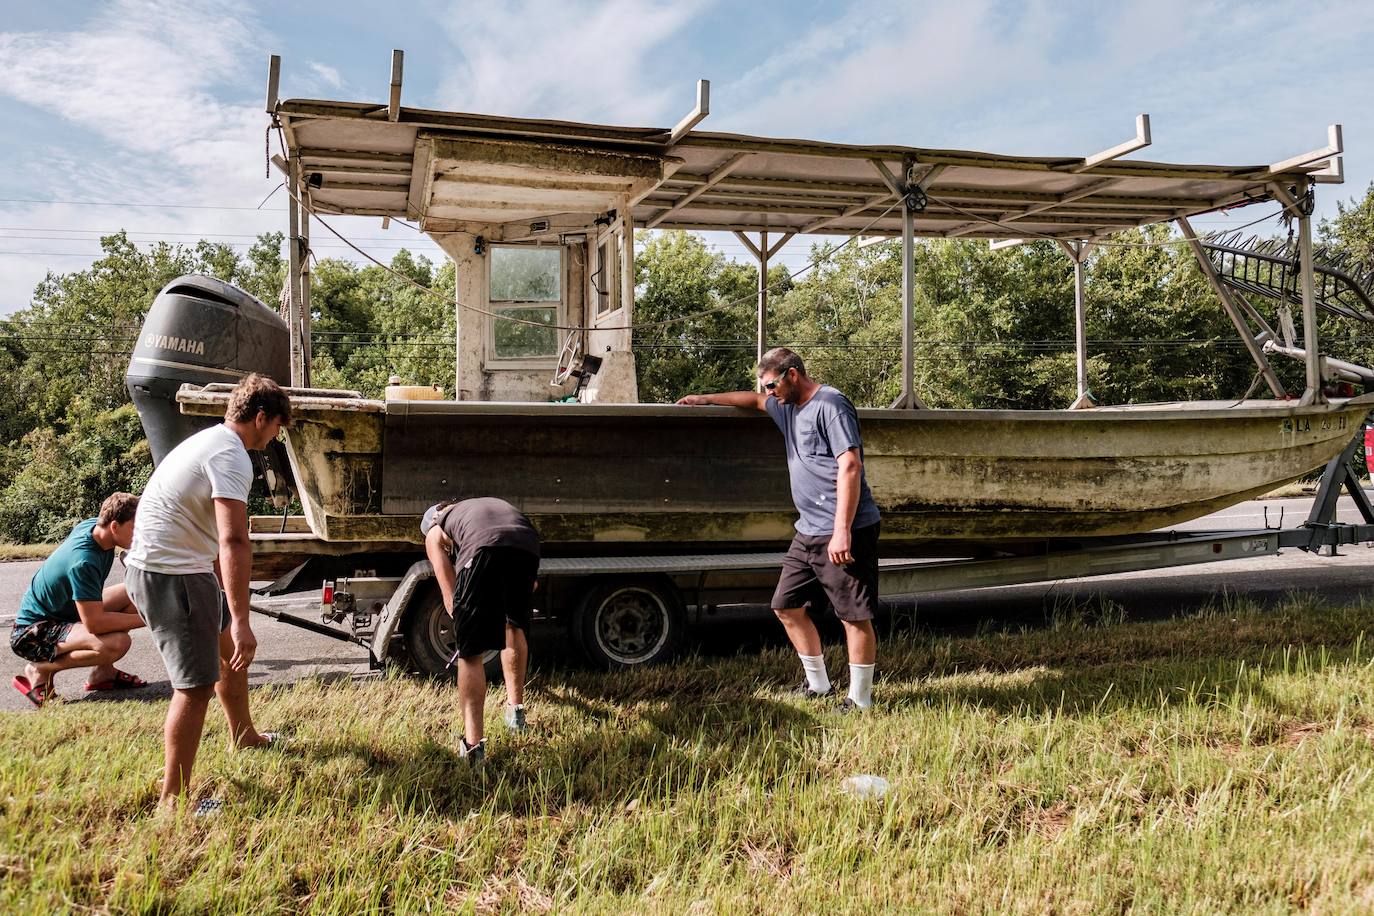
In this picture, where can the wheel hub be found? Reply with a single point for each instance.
(631, 623)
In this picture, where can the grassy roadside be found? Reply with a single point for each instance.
(1221, 762)
(13, 552)
(1301, 488)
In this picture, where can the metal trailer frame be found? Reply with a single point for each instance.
(388, 600)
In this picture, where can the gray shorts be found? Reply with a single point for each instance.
(185, 615)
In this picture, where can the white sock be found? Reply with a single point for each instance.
(861, 685)
(816, 678)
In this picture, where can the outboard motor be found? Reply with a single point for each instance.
(201, 330)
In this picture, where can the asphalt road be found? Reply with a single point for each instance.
(287, 653)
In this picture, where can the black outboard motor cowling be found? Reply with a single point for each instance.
(201, 330)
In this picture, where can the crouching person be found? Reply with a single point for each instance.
(68, 618)
(485, 555)
(189, 569)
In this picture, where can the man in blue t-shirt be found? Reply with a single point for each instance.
(834, 553)
(68, 618)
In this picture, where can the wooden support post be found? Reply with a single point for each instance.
(1313, 394)
(1267, 333)
(908, 396)
(393, 108)
(1141, 140)
(293, 271)
(900, 189)
(1335, 145)
(307, 350)
(693, 117)
(273, 82)
(627, 271)
(761, 340)
(761, 253)
(1080, 328)
(1234, 311)
(1078, 253)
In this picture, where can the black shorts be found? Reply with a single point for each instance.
(38, 641)
(495, 588)
(809, 577)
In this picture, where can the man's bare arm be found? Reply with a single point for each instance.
(97, 620)
(235, 566)
(851, 468)
(444, 572)
(746, 399)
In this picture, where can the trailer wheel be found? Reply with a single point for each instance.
(632, 622)
(428, 639)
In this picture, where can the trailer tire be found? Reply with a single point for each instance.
(427, 639)
(629, 622)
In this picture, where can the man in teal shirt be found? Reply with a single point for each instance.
(68, 618)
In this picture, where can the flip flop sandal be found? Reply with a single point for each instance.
(208, 807)
(36, 694)
(275, 741)
(122, 680)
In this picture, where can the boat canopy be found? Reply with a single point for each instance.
(457, 172)
(471, 179)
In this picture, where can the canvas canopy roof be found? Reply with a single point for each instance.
(508, 177)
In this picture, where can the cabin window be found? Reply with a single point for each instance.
(606, 279)
(527, 285)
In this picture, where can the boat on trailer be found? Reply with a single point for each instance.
(509, 199)
(658, 478)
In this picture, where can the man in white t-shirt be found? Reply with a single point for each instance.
(189, 558)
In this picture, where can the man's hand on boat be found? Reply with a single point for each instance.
(746, 399)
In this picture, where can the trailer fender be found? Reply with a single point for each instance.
(394, 611)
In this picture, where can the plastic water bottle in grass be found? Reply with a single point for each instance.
(865, 785)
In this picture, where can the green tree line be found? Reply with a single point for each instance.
(993, 329)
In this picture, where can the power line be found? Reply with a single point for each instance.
(236, 245)
(98, 233)
(108, 203)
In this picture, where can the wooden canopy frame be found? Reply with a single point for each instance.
(508, 179)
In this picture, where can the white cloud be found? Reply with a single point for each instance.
(1222, 83)
(880, 66)
(327, 75)
(571, 60)
(140, 76)
(140, 83)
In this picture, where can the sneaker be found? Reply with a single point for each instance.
(514, 718)
(474, 754)
(804, 691)
(848, 707)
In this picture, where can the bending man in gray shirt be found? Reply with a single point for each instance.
(485, 555)
(834, 554)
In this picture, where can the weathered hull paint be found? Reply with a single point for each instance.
(661, 477)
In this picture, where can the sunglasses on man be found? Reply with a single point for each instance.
(769, 386)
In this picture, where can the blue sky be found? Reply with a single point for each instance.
(147, 115)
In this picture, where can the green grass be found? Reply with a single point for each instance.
(11, 552)
(1221, 762)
